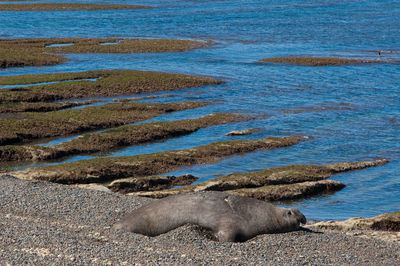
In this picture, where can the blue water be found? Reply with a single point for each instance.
(246, 31)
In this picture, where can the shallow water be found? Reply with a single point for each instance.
(246, 31)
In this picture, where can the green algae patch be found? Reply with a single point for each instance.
(60, 123)
(107, 83)
(108, 169)
(65, 7)
(41, 52)
(271, 184)
(318, 61)
(15, 107)
(116, 138)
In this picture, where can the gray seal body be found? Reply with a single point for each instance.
(230, 217)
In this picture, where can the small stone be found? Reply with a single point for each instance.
(244, 132)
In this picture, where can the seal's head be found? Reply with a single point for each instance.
(295, 216)
(292, 218)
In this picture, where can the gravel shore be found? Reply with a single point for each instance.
(44, 223)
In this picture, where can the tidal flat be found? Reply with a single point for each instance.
(29, 126)
(104, 83)
(42, 52)
(17, 107)
(108, 169)
(116, 138)
(319, 61)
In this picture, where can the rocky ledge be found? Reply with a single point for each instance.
(281, 183)
(389, 222)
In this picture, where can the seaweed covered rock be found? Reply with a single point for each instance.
(46, 51)
(107, 169)
(61, 123)
(318, 61)
(97, 83)
(150, 183)
(115, 138)
(290, 191)
(281, 183)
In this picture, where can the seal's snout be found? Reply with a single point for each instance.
(301, 219)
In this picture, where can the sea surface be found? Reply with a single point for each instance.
(360, 104)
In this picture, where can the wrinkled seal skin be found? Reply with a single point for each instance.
(230, 217)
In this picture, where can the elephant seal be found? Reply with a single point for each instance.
(230, 217)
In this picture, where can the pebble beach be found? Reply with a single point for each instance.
(45, 223)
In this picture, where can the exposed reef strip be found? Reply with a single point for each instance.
(318, 61)
(281, 183)
(40, 52)
(108, 169)
(15, 107)
(108, 83)
(30, 126)
(290, 192)
(65, 7)
(149, 183)
(116, 138)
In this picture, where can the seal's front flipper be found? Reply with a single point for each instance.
(226, 235)
(228, 230)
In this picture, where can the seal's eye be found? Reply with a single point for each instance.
(289, 213)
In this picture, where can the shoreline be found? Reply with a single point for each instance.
(44, 223)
